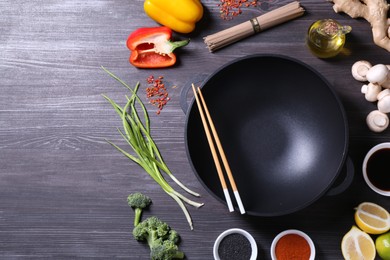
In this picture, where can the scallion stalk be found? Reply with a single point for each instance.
(136, 132)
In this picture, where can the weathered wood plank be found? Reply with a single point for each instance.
(63, 188)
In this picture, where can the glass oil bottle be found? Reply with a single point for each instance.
(326, 38)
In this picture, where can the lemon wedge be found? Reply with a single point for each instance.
(357, 245)
(372, 218)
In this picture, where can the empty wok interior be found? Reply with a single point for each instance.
(282, 128)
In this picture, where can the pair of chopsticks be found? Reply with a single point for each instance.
(207, 121)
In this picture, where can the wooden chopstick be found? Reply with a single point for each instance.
(202, 105)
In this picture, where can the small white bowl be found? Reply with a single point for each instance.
(296, 232)
(235, 231)
(373, 150)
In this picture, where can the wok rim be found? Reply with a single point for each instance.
(341, 163)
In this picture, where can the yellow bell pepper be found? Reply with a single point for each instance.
(179, 15)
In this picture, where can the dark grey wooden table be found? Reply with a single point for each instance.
(63, 189)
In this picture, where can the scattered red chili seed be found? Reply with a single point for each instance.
(232, 8)
(157, 93)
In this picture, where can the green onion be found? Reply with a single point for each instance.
(136, 132)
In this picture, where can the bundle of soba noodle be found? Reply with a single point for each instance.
(255, 25)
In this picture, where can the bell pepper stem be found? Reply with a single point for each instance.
(178, 44)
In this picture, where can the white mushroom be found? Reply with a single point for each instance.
(377, 121)
(371, 91)
(384, 101)
(360, 69)
(386, 84)
(377, 74)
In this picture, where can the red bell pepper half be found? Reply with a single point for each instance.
(152, 47)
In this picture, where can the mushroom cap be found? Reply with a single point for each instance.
(383, 93)
(359, 70)
(377, 121)
(386, 84)
(384, 101)
(377, 74)
(371, 91)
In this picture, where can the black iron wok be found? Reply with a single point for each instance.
(283, 129)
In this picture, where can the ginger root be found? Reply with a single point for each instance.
(374, 11)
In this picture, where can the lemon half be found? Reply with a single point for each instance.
(357, 245)
(372, 218)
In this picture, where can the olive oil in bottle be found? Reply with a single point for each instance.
(326, 38)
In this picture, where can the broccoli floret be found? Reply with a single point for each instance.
(174, 236)
(166, 251)
(162, 240)
(138, 202)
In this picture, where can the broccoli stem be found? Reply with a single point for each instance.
(137, 216)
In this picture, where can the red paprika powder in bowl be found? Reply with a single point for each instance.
(292, 244)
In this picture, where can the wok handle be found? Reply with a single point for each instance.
(197, 80)
(349, 173)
